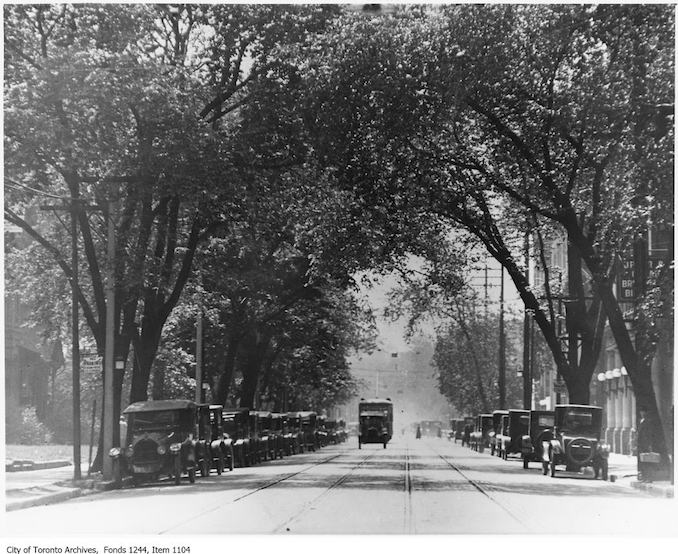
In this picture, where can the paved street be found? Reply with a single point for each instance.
(413, 486)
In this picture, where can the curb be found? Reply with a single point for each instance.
(28, 465)
(51, 498)
(654, 490)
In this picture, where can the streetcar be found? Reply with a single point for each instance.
(375, 421)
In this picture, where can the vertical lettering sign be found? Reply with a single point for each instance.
(626, 280)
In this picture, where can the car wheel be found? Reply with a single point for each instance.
(526, 463)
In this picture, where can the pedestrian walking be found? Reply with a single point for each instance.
(418, 435)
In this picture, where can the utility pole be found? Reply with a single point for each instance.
(109, 352)
(502, 347)
(527, 337)
(198, 357)
(75, 354)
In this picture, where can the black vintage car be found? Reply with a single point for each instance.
(540, 432)
(342, 434)
(480, 438)
(294, 426)
(277, 435)
(309, 429)
(266, 436)
(216, 449)
(576, 440)
(458, 429)
(332, 431)
(236, 427)
(258, 443)
(496, 430)
(161, 440)
(510, 441)
(321, 431)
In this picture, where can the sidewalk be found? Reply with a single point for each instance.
(52, 483)
(624, 471)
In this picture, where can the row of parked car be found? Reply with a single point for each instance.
(177, 438)
(569, 435)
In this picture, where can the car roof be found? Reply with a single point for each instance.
(158, 405)
(380, 400)
(588, 406)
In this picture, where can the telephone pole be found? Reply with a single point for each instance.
(502, 346)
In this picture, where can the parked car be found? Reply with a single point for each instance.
(502, 437)
(480, 438)
(469, 426)
(458, 428)
(294, 425)
(321, 431)
(342, 434)
(258, 446)
(540, 432)
(332, 433)
(236, 427)
(577, 440)
(309, 427)
(266, 438)
(161, 440)
(518, 422)
(278, 435)
(216, 447)
(496, 430)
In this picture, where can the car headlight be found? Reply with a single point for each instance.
(604, 447)
(161, 449)
(175, 447)
(129, 452)
(114, 452)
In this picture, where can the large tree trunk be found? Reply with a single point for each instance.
(225, 378)
(638, 368)
(256, 347)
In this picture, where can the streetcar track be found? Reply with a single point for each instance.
(409, 524)
(480, 489)
(254, 491)
(309, 505)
